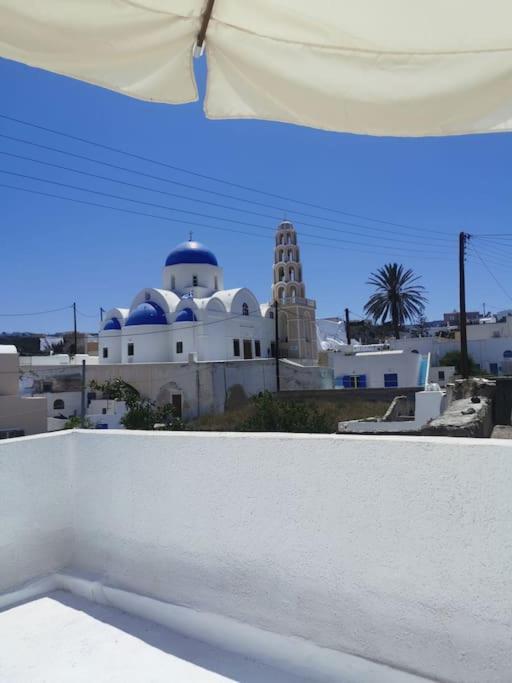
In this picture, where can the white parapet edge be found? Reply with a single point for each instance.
(291, 654)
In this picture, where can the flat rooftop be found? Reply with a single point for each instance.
(64, 638)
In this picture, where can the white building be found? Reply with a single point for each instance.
(378, 369)
(191, 313)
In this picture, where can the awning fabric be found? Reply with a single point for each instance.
(381, 67)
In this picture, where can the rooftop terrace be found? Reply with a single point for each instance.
(259, 558)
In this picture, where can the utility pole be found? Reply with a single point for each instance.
(102, 311)
(276, 344)
(82, 404)
(75, 332)
(464, 361)
(347, 325)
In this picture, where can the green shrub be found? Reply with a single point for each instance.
(275, 415)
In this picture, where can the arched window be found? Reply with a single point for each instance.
(173, 282)
(281, 239)
(507, 354)
(245, 309)
(289, 239)
(293, 293)
(292, 274)
(271, 315)
(195, 281)
(281, 274)
(216, 283)
(290, 255)
(58, 404)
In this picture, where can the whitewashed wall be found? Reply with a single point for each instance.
(375, 365)
(36, 520)
(394, 549)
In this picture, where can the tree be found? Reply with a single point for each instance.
(454, 358)
(397, 296)
(141, 413)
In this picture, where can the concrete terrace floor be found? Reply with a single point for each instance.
(62, 638)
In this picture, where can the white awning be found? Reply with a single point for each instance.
(381, 67)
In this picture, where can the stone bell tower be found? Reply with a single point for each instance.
(297, 328)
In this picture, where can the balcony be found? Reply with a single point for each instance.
(254, 557)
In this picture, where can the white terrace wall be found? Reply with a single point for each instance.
(394, 549)
(36, 518)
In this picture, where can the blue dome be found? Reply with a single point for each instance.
(186, 315)
(147, 313)
(191, 252)
(112, 324)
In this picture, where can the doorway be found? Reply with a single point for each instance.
(247, 348)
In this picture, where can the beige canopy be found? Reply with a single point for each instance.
(383, 67)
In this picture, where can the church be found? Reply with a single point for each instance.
(192, 313)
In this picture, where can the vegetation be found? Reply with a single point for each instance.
(397, 296)
(141, 413)
(75, 422)
(267, 413)
(454, 358)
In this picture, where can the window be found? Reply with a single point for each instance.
(507, 354)
(272, 349)
(216, 283)
(390, 379)
(236, 347)
(257, 348)
(173, 282)
(271, 315)
(195, 281)
(351, 382)
(47, 386)
(58, 404)
(440, 374)
(245, 309)
(103, 411)
(179, 347)
(105, 352)
(130, 349)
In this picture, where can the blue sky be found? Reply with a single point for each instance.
(54, 252)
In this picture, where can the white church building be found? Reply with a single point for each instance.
(191, 313)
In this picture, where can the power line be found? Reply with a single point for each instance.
(193, 213)
(52, 310)
(194, 199)
(239, 186)
(507, 294)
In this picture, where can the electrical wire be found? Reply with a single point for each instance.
(203, 176)
(146, 188)
(389, 248)
(52, 310)
(507, 294)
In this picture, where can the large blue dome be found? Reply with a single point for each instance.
(147, 313)
(191, 252)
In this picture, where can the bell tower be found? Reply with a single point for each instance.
(297, 328)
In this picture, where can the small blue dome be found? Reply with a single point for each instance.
(112, 324)
(186, 315)
(191, 252)
(147, 313)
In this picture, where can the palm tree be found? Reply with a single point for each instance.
(397, 296)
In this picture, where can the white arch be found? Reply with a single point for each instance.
(120, 313)
(167, 300)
